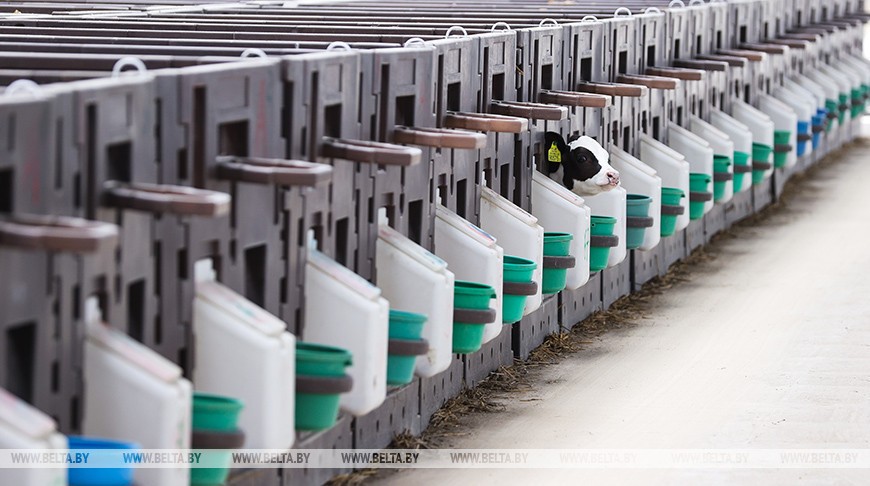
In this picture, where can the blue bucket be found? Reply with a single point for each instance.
(821, 118)
(108, 476)
(803, 127)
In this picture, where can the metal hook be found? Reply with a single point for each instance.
(502, 24)
(552, 21)
(338, 45)
(673, 2)
(652, 10)
(456, 27)
(128, 61)
(254, 52)
(589, 18)
(20, 85)
(622, 10)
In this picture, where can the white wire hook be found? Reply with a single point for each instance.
(417, 42)
(128, 62)
(20, 85)
(675, 2)
(589, 18)
(622, 10)
(500, 24)
(339, 45)
(654, 10)
(254, 52)
(456, 27)
(548, 20)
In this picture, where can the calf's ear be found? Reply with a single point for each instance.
(555, 149)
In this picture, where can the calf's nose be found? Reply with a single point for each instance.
(613, 178)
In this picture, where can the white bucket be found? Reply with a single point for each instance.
(415, 280)
(472, 255)
(133, 394)
(722, 145)
(559, 209)
(808, 88)
(518, 233)
(244, 352)
(739, 134)
(697, 151)
(784, 118)
(638, 178)
(672, 168)
(612, 203)
(803, 106)
(832, 86)
(759, 124)
(344, 310)
(24, 427)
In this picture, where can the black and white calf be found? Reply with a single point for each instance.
(580, 165)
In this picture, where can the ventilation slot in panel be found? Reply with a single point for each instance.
(332, 121)
(405, 110)
(498, 81)
(118, 162)
(7, 188)
(453, 93)
(255, 274)
(136, 310)
(20, 356)
(233, 138)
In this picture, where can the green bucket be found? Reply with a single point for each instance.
(670, 197)
(321, 360)
(721, 163)
(318, 411)
(516, 270)
(467, 337)
(637, 205)
(698, 183)
(602, 225)
(832, 107)
(864, 90)
(406, 325)
(857, 102)
(400, 369)
(760, 153)
(215, 413)
(212, 476)
(472, 295)
(741, 159)
(844, 101)
(781, 137)
(556, 245)
(598, 255)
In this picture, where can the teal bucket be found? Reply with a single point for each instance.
(637, 210)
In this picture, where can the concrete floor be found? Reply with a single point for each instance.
(767, 346)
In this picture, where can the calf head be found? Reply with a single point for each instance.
(580, 165)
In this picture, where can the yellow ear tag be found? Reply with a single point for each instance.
(554, 154)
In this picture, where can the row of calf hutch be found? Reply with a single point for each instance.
(326, 220)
